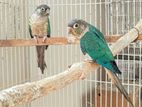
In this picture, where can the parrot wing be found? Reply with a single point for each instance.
(48, 29)
(99, 51)
(30, 31)
(94, 46)
(83, 49)
(97, 32)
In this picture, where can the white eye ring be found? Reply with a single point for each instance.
(43, 9)
(76, 25)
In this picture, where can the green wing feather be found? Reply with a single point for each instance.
(83, 48)
(99, 51)
(96, 32)
(95, 47)
(48, 29)
(30, 30)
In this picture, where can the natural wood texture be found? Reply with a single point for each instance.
(32, 42)
(51, 41)
(114, 38)
(30, 91)
(129, 37)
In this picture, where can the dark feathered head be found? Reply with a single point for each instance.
(43, 10)
(76, 27)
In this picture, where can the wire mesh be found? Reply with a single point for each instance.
(18, 64)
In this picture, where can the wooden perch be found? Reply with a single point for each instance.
(51, 41)
(30, 91)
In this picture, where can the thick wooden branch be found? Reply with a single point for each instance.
(51, 41)
(30, 91)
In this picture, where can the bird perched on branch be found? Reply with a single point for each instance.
(93, 43)
(39, 27)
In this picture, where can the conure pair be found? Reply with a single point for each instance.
(92, 42)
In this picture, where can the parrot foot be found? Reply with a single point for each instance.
(36, 39)
(71, 39)
(83, 76)
(44, 38)
(88, 60)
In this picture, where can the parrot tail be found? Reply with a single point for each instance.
(118, 84)
(40, 57)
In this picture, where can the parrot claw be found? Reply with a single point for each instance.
(83, 76)
(88, 60)
(71, 39)
(44, 38)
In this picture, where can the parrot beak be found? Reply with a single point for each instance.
(69, 30)
(48, 11)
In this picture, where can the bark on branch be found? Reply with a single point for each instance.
(30, 91)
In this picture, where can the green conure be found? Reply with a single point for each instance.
(93, 43)
(39, 27)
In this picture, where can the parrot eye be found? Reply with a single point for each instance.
(43, 9)
(76, 25)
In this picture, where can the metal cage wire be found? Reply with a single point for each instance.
(18, 64)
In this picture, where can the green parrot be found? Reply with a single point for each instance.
(39, 27)
(93, 43)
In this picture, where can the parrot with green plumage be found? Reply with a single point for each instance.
(39, 27)
(93, 43)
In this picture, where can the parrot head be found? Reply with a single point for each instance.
(43, 10)
(77, 27)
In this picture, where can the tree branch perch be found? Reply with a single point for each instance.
(30, 91)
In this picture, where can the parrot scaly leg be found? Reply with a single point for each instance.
(71, 39)
(82, 76)
(36, 39)
(88, 60)
(44, 38)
